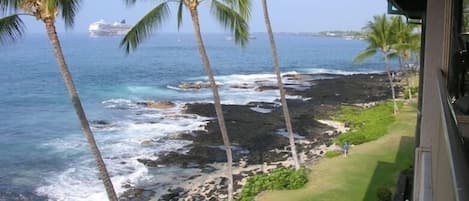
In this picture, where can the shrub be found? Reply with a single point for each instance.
(366, 124)
(384, 194)
(413, 91)
(279, 179)
(332, 154)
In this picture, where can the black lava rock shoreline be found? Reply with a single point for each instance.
(254, 135)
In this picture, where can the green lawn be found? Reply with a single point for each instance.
(369, 166)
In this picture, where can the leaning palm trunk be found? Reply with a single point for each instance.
(51, 32)
(409, 84)
(403, 64)
(408, 75)
(391, 83)
(275, 60)
(216, 99)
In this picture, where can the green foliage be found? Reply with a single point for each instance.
(391, 36)
(144, 28)
(232, 14)
(413, 91)
(232, 20)
(11, 27)
(332, 154)
(384, 194)
(279, 179)
(8, 6)
(380, 37)
(68, 10)
(366, 124)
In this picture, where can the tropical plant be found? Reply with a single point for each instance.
(465, 16)
(46, 11)
(407, 43)
(232, 14)
(278, 179)
(276, 63)
(381, 38)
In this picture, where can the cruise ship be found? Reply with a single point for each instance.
(101, 28)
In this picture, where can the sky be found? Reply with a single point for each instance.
(286, 15)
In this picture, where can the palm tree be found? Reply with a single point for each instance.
(12, 27)
(276, 62)
(232, 14)
(380, 37)
(407, 42)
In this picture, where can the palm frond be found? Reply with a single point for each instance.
(179, 14)
(130, 2)
(244, 7)
(145, 27)
(51, 5)
(369, 52)
(402, 46)
(231, 20)
(7, 6)
(68, 10)
(241, 6)
(29, 6)
(11, 28)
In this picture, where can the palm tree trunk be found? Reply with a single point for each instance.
(276, 62)
(54, 40)
(408, 76)
(216, 99)
(403, 64)
(393, 92)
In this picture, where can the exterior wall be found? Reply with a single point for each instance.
(430, 165)
(436, 58)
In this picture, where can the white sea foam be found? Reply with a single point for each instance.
(261, 110)
(283, 132)
(135, 132)
(140, 134)
(337, 72)
(245, 88)
(119, 104)
(241, 89)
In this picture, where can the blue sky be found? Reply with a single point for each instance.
(286, 15)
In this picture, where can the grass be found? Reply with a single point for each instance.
(366, 124)
(369, 167)
(332, 154)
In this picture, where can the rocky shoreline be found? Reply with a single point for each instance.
(256, 131)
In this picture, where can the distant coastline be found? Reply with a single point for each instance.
(348, 35)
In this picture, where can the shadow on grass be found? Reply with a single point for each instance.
(386, 174)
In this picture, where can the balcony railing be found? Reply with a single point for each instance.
(450, 172)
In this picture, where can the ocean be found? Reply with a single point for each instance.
(43, 154)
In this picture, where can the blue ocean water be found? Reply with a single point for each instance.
(42, 149)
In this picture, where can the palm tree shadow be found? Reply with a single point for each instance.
(385, 173)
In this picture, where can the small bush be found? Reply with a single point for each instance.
(366, 124)
(332, 154)
(413, 91)
(384, 194)
(279, 179)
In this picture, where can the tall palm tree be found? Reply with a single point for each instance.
(407, 42)
(381, 37)
(276, 62)
(12, 27)
(230, 13)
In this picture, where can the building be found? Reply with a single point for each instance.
(441, 171)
